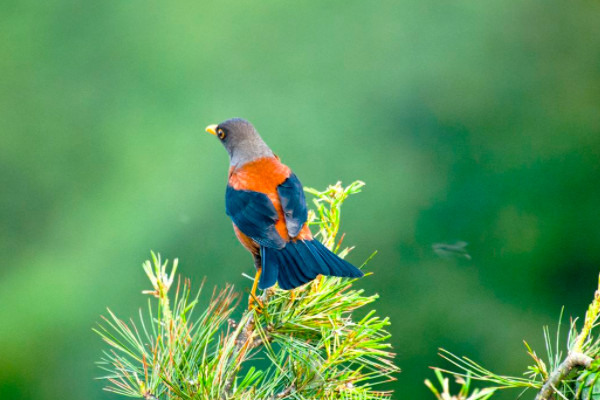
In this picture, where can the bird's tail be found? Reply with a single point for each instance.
(300, 262)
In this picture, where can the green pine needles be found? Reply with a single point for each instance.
(572, 375)
(302, 344)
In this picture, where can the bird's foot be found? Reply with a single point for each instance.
(254, 303)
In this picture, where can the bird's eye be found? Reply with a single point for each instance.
(221, 134)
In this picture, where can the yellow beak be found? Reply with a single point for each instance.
(212, 129)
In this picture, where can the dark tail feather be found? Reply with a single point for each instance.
(300, 262)
(270, 268)
(338, 266)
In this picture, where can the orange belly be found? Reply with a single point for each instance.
(246, 241)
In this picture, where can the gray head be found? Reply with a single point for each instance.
(241, 140)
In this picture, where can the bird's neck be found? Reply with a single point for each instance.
(247, 152)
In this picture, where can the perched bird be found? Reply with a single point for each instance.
(266, 203)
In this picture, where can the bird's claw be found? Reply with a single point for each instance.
(256, 307)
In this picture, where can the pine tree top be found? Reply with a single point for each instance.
(302, 344)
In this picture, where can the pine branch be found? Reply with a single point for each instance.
(573, 360)
(575, 377)
(314, 346)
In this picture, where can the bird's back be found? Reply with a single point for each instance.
(264, 175)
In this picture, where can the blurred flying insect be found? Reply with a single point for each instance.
(448, 250)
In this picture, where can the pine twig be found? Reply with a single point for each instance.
(244, 342)
(286, 392)
(554, 377)
(576, 357)
(241, 340)
(573, 360)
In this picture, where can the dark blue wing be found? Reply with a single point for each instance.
(254, 215)
(293, 202)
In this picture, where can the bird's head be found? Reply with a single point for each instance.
(241, 140)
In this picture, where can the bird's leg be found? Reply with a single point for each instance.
(252, 298)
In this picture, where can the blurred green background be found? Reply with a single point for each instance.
(474, 121)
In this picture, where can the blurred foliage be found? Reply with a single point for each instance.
(471, 122)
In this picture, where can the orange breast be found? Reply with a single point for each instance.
(264, 175)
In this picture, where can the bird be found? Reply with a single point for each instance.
(266, 203)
